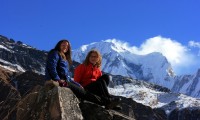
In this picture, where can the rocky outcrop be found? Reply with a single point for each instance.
(91, 111)
(139, 111)
(49, 103)
(53, 102)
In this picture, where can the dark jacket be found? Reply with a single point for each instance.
(56, 67)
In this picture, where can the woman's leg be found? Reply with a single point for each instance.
(78, 91)
(84, 95)
(106, 78)
(100, 86)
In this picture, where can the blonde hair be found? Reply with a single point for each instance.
(86, 61)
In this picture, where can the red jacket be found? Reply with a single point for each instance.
(86, 74)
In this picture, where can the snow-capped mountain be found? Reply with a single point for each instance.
(19, 57)
(119, 60)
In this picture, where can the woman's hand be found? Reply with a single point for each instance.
(62, 83)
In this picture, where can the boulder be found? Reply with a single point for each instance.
(49, 103)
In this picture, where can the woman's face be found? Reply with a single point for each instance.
(93, 58)
(64, 46)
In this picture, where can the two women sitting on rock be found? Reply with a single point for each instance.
(88, 84)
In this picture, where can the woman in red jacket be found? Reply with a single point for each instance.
(89, 75)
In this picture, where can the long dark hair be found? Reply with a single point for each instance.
(67, 55)
(87, 61)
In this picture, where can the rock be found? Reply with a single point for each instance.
(8, 100)
(49, 103)
(93, 111)
(52, 102)
(139, 111)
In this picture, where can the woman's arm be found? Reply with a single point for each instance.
(52, 62)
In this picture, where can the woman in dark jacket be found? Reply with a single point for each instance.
(57, 69)
(58, 63)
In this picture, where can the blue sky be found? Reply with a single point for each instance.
(42, 23)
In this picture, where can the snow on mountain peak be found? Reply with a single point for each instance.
(5, 48)
(84, 47)
(117, 45)
(108, 45)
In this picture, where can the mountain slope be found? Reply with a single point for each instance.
(188, 84)
(17, 56)
(151, 95)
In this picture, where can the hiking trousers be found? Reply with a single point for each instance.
(100, 87)
(82, 94)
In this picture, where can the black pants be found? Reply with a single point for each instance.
(85, 95)
(100, 88)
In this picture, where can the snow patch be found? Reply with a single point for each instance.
(12, 67)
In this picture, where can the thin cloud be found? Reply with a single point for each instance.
(194, 44)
